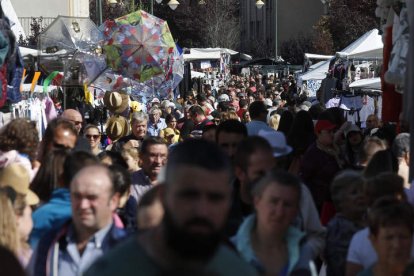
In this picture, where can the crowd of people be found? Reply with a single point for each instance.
(249, 178)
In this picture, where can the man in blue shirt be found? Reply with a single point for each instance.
(258, 113)
(77, 244)
(57, 211)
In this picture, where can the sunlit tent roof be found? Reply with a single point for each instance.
(373, 84)
(210, 53)
(368, 46)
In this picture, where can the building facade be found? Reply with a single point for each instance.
(48, 9)
(277, 21)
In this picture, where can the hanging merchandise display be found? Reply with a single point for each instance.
(398, 58)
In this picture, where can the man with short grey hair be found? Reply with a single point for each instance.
(155, 123)
(401, 150)
(139, 128)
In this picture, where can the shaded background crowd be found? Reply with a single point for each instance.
(248, 178)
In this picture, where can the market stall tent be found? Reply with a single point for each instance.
(210, 54)
(367, 46)
(317, 73)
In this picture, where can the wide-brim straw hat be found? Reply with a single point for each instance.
(116, 127)
(17, 177)
(116, 102)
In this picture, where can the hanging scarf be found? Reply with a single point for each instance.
(333, 151)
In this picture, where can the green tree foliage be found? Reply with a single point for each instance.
(36, 27)
(214, 24)
(187, 22)
(346, 21)
(292, 50)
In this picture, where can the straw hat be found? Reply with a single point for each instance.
(116, 127)
(116, 102)
(17, 177)
(135, 106)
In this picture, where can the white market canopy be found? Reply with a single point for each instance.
(315, 56)
(367, 46)
(195, 74)
(24, 51)
(210, 54)
(370, 84)
(318, 72)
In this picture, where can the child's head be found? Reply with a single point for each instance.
(347, 194)
(131, 157)
(391, 231)
(150, 210)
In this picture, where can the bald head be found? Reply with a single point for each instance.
(73, 116)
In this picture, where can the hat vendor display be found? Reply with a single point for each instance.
(116, 102)
(116, 127)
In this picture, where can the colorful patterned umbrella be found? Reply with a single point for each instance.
(162, 86)
(138, 45)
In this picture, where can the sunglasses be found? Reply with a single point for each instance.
(89, 136)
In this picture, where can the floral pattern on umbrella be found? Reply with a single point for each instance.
(138, 45)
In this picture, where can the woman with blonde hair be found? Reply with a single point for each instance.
(11, 206)
(229, 115)
(273, 120)
(15, 211)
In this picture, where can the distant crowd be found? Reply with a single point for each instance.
(249, 178)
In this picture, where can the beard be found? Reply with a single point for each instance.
(188, 245)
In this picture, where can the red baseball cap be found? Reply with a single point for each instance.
(324, 125)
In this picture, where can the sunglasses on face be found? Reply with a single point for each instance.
(89, 136)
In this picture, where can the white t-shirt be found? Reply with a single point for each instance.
(361, 251)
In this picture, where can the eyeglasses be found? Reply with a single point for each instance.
(89, 136)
